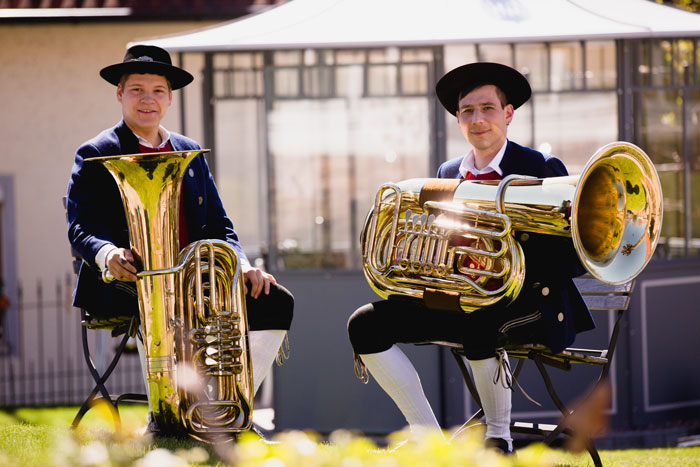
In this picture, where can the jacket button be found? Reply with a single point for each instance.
(545, 291)
(200, 200)
(560, 317)
(191, 172)
(524, 237)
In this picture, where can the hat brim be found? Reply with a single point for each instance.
(178, 77)
(472, 75)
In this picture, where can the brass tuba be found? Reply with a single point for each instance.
(192, 305)
(451, 243)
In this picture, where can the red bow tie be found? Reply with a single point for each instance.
(493, 175)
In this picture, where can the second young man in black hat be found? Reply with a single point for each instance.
(548, 310)
(98, 229)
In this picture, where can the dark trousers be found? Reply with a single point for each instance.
(377, 326)
(273, 311)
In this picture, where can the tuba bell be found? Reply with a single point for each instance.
(191, 305)
(450, 242)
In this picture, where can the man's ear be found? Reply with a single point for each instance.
(509, 113)
(119, 92)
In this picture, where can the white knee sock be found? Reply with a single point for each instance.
(264, 346)
(495, 399)
(396, 375)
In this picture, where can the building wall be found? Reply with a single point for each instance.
(53, 99)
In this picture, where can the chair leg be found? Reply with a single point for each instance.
(99, 380)
(479, 414)
(561, 428)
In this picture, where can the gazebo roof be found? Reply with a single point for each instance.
(368, 23)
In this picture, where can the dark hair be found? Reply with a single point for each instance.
(499, 92)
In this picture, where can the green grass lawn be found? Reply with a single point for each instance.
(40, 436)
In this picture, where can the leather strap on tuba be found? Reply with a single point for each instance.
(439, 189)
(441, 300)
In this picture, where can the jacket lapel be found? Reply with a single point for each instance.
(509, 164)
(128, 142)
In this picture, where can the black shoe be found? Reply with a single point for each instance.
(153, 431)
(499, 444)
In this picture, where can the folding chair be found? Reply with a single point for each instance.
(126, 324)
(599, 297)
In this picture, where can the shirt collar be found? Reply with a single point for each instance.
(164, 136)
(467, 164)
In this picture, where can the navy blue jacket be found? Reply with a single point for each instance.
(96, 213)
(550, 261)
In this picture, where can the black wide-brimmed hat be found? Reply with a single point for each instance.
(144, 59)
(467, 77)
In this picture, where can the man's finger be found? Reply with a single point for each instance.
(258, 286)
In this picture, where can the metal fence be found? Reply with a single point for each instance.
(47, 365)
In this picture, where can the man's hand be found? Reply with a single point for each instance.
(259, 281)
(120, 263)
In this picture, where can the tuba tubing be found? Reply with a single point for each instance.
(191, 305)
(417, 246)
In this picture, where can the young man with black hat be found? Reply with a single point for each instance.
(98, 231)
(548, 310)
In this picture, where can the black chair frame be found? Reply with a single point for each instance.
(101, 379)
(598, 297)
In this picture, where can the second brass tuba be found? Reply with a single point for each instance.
(451, 242)
(191, 303)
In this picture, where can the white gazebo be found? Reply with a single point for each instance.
(310, 105)
(300, 24)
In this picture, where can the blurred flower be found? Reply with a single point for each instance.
(162, 458)
(93, 453)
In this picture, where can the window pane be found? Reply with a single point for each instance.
(600, 65)
(459, 54)
(330, 158)
(310, 57)
(661, 138)
(684, 62)
(575, 136)
(566, 66)
(642, 77)
(286, 82)
(347, 57)
(287, 58)
(349, 80)
(416, 55)
(661, 62)
(531, 60)
(246, 60)
(381, 80)
(318, 81)
(239, 171)
(414, 79)
(388, 55)
(499, 53)
(238, 83)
